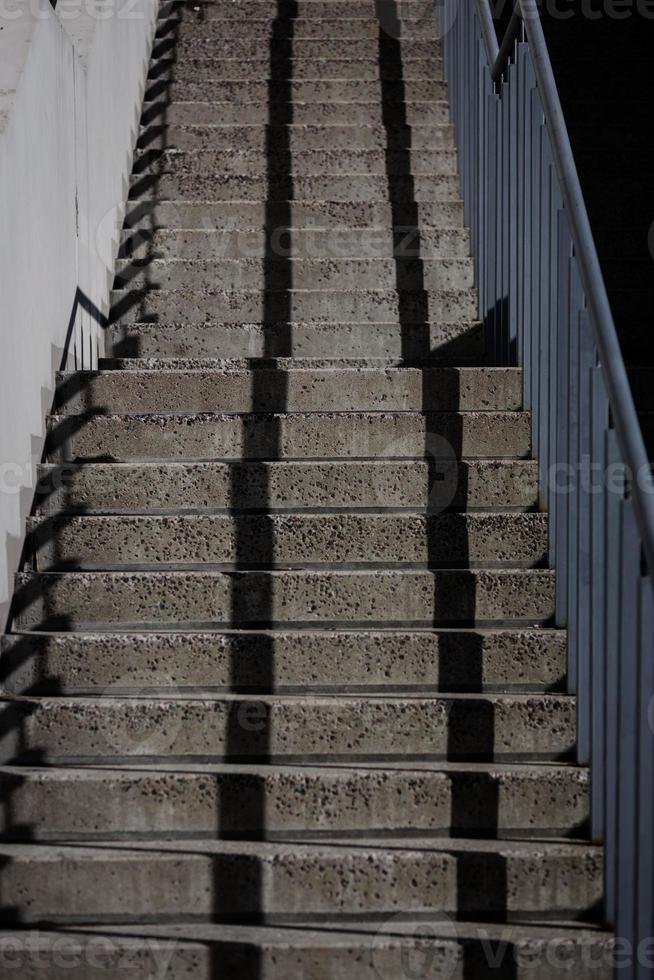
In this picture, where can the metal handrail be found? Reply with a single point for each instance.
(625, 417)
(488, 32)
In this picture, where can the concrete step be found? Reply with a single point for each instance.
(454, 342)
(227, 216)
(230, 880)
(416, 306)
(218, 42)
(278, 162)
(273, 89)
(444, 435)
(293, 10)
(357, 187)
(286, 274)
(301, 540)
(266, 389)
(194, 728)
(128, 600)
(285, 661)
(163, 112)
(365, 69)
(281, 365)
(274, 32)
(290, 9)
(145, 488)
(296, 138)
(331, 243)
(362, 951)
(451, 799)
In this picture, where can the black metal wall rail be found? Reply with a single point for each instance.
(544, 304)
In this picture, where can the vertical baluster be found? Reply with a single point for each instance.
(627, 695)
(507, 191)
(512, 228)
(536, 191)
(556, 213)
(493, 223)
(599, 428)
(520, 88)
(645, 785)
(558, 488)
(544, 314)
(491, 189)
(581, 568)
(474, 149)
(576, 308)
(465, 121)
(529, 98)
(480, 202)
(613, 552)
(489, 176)
(481, 175)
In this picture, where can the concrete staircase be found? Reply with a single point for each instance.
(282, 697)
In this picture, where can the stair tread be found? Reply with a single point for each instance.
(223, 365)
(328, 700)
(332, 933)
(163, 849)
(134, 771)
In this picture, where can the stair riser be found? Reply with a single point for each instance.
(209, 803)
(294, 9)
(308, 113)
(376, 244)
(310, 662)
(269, 390)
(280, 274)
(279, 164)
(287, 305)
(169, 599)
(255, 48)
(301, 885)
(506, 728)
(273, 89)
(227, 216)
(449, 341)
(353, 187)
(301, 955)
(175, 488)
(449, 540)
(234, 69)
(272, 33)
(297, 138)
(443, 436)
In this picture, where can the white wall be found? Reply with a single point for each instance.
(71, 84)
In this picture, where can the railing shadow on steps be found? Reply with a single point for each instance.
(545, 307)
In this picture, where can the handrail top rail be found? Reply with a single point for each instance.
(624, 415)
(488, 31)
